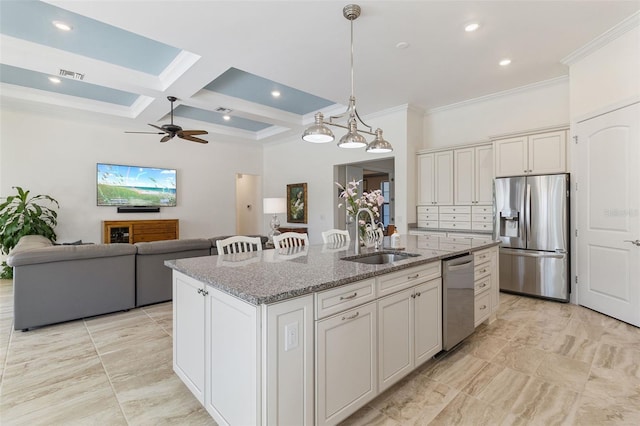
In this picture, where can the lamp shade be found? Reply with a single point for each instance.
(318, 132)
(379, 145)
(274, 205)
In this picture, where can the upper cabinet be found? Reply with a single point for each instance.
(537, 154)
(435, 178)
(473, 175)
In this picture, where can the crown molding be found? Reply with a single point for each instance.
(497, 95)
(607, 37)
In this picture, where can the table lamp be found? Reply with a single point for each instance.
(274, 206)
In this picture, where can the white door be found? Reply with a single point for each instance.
(608, 201)
(249, 218)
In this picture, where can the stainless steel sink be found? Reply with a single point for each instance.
(380, 258)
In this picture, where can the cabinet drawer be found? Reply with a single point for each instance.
(482, 217)
(427, 209)
(480, 241)
(455, 225)
(426, 243)
(427, 216)
(482, 307)
(455, 209)
(481, 270)
(483, 284)
(427, 224)
(455, 217)
(481, 226)
(396, 281)
(338, 299)
(453, 246)
(482, 210)
(482, 256)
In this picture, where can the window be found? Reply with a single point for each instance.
(384, 187)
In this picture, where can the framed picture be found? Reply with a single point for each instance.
(297, 203)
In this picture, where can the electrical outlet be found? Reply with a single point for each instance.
(291, 336)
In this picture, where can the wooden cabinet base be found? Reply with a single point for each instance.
(136, 231)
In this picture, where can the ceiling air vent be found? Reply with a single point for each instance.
(223, 110)
(71, 74)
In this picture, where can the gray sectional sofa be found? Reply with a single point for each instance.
(56, 283)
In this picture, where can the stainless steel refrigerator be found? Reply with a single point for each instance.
(532, 222)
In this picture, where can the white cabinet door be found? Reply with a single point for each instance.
(483, 168)
(395, 337)
(346, 363)
(464, 179)
(426, 174)
(511, 156)
(547, 153)
(427, 320)
(444, 178)
(538, 154)
(188, 333)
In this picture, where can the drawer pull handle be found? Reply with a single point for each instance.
(351, 317)
(483, 307)
(348, 297)
(483, 285)
(418, 294)
(413, 277)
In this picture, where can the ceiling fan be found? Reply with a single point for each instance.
(171, 130)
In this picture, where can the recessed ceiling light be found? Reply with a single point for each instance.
(275, 93)
(402, 45)
(472, 27)
(55, 80)
(62, 26)
(226, 117)
(505, 62)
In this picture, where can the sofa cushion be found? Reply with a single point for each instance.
(65, 253)
(171, 246)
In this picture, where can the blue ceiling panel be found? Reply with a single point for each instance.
(37, 80)
(252, 88)
(32, 21)
(216, 118)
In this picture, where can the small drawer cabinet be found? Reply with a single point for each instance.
(486, 288)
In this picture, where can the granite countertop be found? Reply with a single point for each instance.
(271, 276)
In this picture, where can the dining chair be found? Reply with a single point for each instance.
(335, 236)
(239, 244)
(290, 239)
(373, 236)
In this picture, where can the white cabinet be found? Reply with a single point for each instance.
(542, 153)
(486, 286)
(189, 334)
(435, 178)
(346, 363)
(409, 326)
(473, 175)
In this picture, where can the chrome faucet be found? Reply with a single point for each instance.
(373, 225)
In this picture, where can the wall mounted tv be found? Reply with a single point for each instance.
(135, 186)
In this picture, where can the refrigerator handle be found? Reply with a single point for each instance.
(528, 213)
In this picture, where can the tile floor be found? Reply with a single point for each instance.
(540, 363)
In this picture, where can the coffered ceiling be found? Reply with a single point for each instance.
(122, 58)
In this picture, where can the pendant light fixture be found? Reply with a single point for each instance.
(320, 133)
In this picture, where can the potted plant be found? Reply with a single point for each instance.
(22, 215)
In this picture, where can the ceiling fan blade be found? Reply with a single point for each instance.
(167, 138)
(194, 132)
(148, 133)
(192, 138)
(158, 127)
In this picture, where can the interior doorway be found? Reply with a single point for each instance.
(248, 204)
(377, 174)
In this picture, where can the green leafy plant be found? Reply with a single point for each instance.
(22, 215)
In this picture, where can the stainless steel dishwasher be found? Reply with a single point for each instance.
(457, 300)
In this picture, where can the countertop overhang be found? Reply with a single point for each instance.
(270, 276)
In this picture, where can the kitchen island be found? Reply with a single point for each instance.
(303, 336)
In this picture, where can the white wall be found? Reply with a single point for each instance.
(58, 156)
(607, 76)
(536, 106)
(296, 161)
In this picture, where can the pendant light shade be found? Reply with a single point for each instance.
(379, 145)
(352, 139)
(320, 133)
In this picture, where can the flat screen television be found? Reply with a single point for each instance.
(135, 186)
